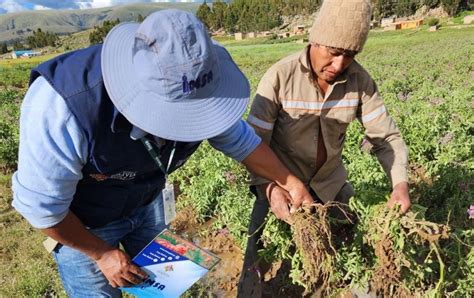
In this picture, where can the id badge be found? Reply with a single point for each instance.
(169, 202)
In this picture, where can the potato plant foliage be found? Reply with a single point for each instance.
(427, 82)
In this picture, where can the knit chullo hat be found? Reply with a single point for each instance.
(342, 24)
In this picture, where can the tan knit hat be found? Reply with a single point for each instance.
(342, 24)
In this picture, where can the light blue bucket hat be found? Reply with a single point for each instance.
(168, 78)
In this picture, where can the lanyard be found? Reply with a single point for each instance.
(154, 155)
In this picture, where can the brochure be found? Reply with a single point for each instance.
(173, 265)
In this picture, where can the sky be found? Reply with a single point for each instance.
(7, 6)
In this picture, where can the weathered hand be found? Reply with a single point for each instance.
(299, 195)
(284, 203)
(400, 196)
(279, 200)
(263, 162)
(119, 270)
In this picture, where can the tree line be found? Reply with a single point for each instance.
(263, 15)
(3, 48)
(252, 15)
(402, 8)
(41, 39)
(100, 32)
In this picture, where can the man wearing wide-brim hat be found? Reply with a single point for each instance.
(101, 128)
(303, 106)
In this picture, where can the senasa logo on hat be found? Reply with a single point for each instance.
(197, 83)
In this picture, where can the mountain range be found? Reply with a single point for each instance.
(19, 25)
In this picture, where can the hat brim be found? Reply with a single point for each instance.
(186, 120)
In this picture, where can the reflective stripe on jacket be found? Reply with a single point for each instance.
(289, 111)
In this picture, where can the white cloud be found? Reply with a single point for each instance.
(94, 4)
(10, 6)
(41, 7)
(107, 3)
(84, 5)
(101, 3)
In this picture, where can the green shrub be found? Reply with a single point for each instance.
(9, 131)
(432, 21)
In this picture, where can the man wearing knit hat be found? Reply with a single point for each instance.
(303, 106)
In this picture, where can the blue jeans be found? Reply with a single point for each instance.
(80, 274)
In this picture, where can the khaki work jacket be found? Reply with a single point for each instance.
(289, 112)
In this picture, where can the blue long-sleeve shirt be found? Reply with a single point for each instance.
(53, 150)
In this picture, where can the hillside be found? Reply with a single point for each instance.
(20, 25)
(74, 41)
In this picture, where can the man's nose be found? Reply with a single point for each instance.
(339, 63)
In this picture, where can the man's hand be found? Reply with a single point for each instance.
(282, 203)
(299, 195)
(114, 263)
(400, 196)
(279, 200)
(264, 163)
(119, 270)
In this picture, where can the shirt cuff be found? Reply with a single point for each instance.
(39, 210)
(237, 142)
(398, 174)
(37, 222)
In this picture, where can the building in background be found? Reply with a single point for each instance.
(25, 54)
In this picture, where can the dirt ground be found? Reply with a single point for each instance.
(222, 280)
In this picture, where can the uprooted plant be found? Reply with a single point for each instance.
(312, 236)
(407, 251)
(402, 255)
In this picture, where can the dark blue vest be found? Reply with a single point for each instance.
(119, 176)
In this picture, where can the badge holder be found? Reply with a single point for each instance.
(169, 203)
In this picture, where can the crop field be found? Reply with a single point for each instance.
(427, 82)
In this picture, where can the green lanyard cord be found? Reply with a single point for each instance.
(149, 147)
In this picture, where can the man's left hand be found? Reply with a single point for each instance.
(400, 197)
(299, 195)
